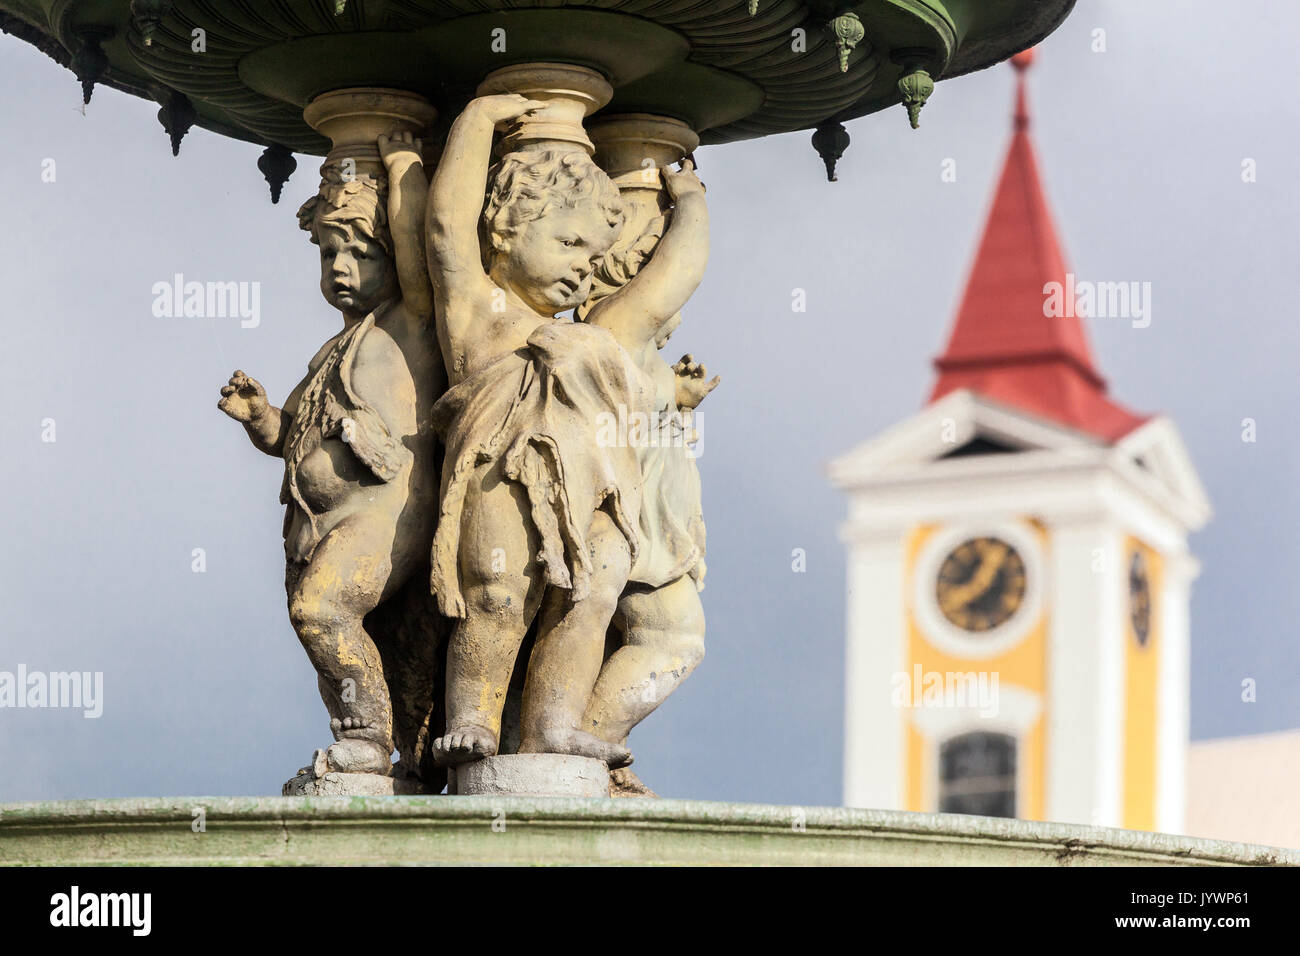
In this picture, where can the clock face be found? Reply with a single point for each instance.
(981, 584)
(1139, 598)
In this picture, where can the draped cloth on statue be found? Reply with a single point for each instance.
(554, 414)
(672, 517)
(328, 408)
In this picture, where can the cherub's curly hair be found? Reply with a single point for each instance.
(527, 184)
(358, 201)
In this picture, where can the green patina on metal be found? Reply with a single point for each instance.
(849, 32)
(520, 830)
(915, 88)
(730, 69)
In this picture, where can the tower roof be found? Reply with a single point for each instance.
(1003, 345)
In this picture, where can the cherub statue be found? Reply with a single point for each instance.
(538, 516)
(361, 467)
(659, 620)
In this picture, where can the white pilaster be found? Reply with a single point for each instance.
(1085, 697)
(1173, 724)
(875, 650)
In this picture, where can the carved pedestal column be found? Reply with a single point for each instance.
(632, 147)
(354, 119)
(532, 775)
(571, 93)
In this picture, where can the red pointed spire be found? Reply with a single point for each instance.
(1003, 346)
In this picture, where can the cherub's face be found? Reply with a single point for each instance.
(549, 262)
(356, 275)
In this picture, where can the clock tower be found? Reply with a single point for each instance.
(1018, 571)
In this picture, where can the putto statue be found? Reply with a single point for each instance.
(360, 477)
(542, 506)
(508, 326)
(659, 621)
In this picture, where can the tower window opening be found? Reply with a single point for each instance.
(977, 774)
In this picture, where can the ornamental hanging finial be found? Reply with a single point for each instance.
(277, 165)
(177, 115)
(830, 140)
(916, 87)
(753, 7)
(89, 64)
(849, 32)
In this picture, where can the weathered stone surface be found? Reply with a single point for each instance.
(624, 783)
(615, 521)
(537, 775)
(335, 784)
(515, 830)
(360, 457)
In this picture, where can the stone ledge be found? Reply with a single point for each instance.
(555, 830)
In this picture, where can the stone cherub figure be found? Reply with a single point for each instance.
(659, 622)
(361, 467)
(538, 516)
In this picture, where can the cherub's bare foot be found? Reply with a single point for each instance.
(338, 726)
(463, 744)
(563, 740)
(624, 783)
(356, 755)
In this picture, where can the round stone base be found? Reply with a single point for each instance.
(531, 775)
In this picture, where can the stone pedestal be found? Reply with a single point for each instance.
(532, 775)
(632, 148)
(570, 93)
(353, 119)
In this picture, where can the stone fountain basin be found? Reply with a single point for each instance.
(558, 830)
(726, 73)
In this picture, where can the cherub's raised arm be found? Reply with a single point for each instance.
(408, 189)
(636, 312)
(452, 214)
(456, 194)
